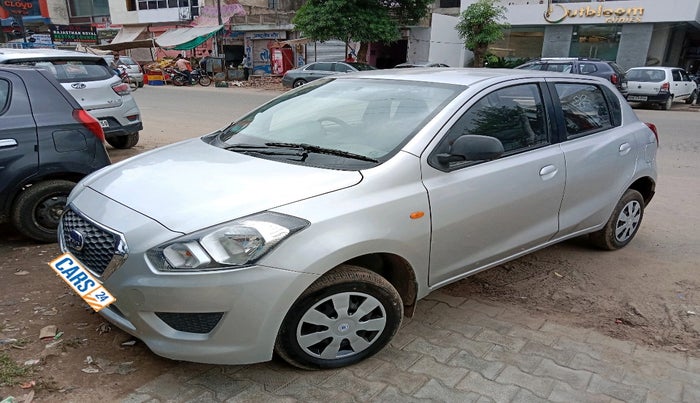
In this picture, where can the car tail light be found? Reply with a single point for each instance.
(614, 79)
(655, 130)
(121, 88)
(665, 87)
(89, 122)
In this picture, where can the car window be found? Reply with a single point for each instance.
(587, 68)
(615, 107)
(616, 68)
(4, 95)
(684, 76)
(342, 68)
(514, 115)
(321, 66)
(70, 70)
(585, 108)
(534, 66)
(560, 67)
(676, 75)
(646, 75)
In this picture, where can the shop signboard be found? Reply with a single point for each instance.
(24, 8)
(73, 33)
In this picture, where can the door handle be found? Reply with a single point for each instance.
(625, 148)
(4, 143)
(548, 172)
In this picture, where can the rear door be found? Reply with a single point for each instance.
(19, 158)
(680, 84)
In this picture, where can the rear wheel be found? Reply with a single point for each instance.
(692, 97)
(668, 104)
(178, 81)
(38, 209)
(344, 317)
(124, 142)
(623, 224)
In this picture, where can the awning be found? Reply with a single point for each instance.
(129, 38)
(186, 38)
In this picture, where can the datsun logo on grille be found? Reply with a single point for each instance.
(75, 240)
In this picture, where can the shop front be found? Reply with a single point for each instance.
(630, 32)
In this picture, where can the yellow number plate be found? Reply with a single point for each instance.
(81, 281)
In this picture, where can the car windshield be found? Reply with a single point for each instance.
(646, 75)
(338, 124)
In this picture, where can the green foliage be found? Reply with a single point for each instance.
(357, 20)
(479, 25)
(10, 371)
(491, 60)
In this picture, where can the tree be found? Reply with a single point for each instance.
(361, 21)
(479, 25)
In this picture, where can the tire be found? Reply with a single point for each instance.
(313, 339)
(38, 209)
(298, 83)
(141, 84)
(124, 142)
(178, 81)
(623, 224)
(668, 104)
(204, 81)
(693, 96)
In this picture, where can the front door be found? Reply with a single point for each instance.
(485, 211)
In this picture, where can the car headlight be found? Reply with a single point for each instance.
(234, 244)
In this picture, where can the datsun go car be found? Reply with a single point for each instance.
(312, 225)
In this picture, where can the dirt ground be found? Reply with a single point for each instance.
(648, 293)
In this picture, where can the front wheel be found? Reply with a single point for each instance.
(204, 81)
(178, 81)
(38, 209)
(344, 317)
(299, 83)
(692, 97)
(623, 224)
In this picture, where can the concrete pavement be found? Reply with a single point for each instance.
(457, 350)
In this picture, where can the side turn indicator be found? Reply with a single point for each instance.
(416, 215)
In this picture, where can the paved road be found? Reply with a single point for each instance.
(454, 349)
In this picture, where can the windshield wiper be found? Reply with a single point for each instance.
(309, 148)
(262, 149)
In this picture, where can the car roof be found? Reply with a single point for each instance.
(456, 75)
(10, 54)
(656, 68)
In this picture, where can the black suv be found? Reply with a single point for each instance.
(48, 142)
(580, 65)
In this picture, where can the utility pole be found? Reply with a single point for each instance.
(219, 39)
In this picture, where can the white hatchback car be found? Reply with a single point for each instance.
(660, 85)
(93, 84)
(313, 224)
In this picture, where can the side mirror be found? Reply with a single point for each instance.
(472, 147)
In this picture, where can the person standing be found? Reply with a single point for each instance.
(205, 61)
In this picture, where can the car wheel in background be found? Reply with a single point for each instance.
(344, 317)
(623, 223)
(299, 83)
(38, 209)
(692, 97)
(668, 104)
(124, 142)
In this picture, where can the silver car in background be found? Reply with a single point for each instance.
(312, 225)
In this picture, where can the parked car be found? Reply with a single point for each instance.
(133, 69)
(661, 86)
(420, 64)
(313, 224)
(47, 143)
(93, 84)
(313, 71)
(580, 65)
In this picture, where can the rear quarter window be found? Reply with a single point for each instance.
(70, 70)
(4, 95)
(586, 109)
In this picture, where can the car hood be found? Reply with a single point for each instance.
(193, 185)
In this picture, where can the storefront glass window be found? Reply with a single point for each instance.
(598, 41)
(519, 44)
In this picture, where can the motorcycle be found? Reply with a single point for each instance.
(196, 77)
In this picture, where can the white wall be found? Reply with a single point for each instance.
(445, 44)
(58, 11)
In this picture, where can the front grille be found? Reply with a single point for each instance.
(191, 322)
(97, 246)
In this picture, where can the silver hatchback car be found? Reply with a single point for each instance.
(312, 225)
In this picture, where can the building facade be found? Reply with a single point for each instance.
(630, 32)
